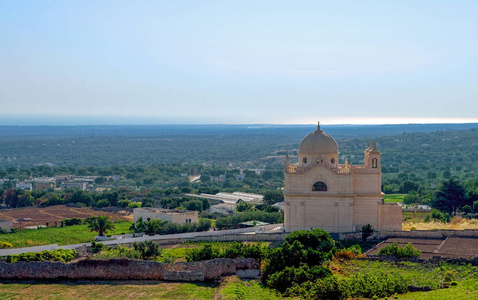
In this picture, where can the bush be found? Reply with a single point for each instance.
(147, 249)
(71, 222)
(205, 253)
(63, 255)
(467, 209)
(316, 239)
(204, 225)
(330, 288)
(123, 203)
(102, 203)
(382, 285)
(285, 279)
(407, 251)
(367, 230)
(439, 216)
(134, 205)
(97, 247)
(4, 245)
(237, 249)
(344, 254)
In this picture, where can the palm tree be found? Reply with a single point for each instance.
(101, 224)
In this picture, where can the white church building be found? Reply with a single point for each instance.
(321, 193)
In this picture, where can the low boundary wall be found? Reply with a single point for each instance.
(237, 237)
(125, 269)
(442, 233)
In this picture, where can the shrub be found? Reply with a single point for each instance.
(344, 254)
(467, 209)
(237, 249)
(475, 206)
(71, 222)
(97, 247)
(204, 225)
(437, 215)
(147, 249)
(453, 283)
(316, 239)
(134, 205)
(367, 230)
(102, 203)
(123, 203)
(283, 280)
(4, 245)
(330, 287)
(407, 251)
(205, 253)
(63, 255)
(382, 285)
(449, 276)
(289, 255)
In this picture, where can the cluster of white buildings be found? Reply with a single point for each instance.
(60, 182)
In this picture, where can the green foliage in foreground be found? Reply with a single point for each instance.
(58, 235)
(139, 250)
(233, 250)
(63, 255)
(358, 285)
(147, 249)
(408, 251)
(156, 226)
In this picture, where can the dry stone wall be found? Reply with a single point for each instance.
(125, 269)
(380, 235)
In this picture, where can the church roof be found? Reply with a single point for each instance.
(318, 142)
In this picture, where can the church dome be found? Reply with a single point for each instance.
(318, 142)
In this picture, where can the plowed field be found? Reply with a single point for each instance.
(52, 214)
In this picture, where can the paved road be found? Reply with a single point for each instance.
(5, 252)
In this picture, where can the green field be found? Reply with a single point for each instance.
(58, 235)
(394, 197)
(432, 275)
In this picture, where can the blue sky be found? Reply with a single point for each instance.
(160, 62)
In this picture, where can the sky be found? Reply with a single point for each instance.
(238, 62)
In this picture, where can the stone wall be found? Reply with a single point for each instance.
(125, 269)
(6, 224)
(380, 235)
(237, 237)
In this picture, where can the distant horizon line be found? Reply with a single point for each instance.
(98, 120)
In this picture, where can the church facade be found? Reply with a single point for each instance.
(321, 193)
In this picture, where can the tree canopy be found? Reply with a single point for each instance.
(450, 197)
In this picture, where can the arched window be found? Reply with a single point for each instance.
(319, 186)
(332, 161)
(374, 163)
(304, 160)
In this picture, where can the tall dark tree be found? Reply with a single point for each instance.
(274, 196)
(450, 197)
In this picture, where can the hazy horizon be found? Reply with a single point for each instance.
(45, 120)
